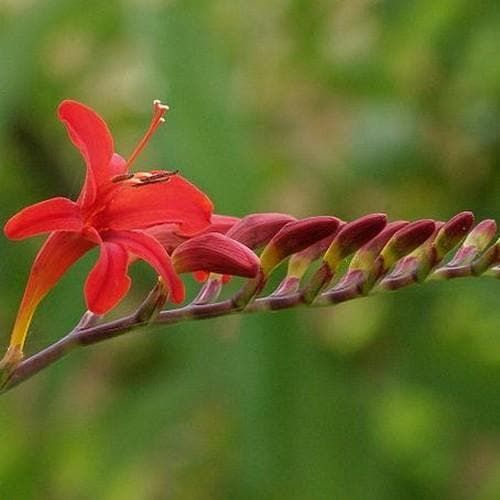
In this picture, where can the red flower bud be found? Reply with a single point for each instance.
(451, 233)
(405, 241)
(257, 229)
(475, 243)
(364, 258)
(296, 236)
(353, 236)
(216, 253)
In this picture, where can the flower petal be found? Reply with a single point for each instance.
(90, 134)
(108, 282)
(55, 214)
(168, 235)
(171, 237)
(59, 252)
(147, 248)
(174, 200)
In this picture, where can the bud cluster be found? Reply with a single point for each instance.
(385, 255)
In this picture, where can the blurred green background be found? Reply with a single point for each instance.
(326, 107)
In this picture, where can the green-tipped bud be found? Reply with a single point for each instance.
(452, 233)
(404, 242)
(294, 237)
(300, 261)
(489, 258)
(353, 236)
(350, 238)
(362, 272)
(364, 259)
(475, 243)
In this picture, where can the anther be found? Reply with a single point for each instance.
(147, 179)
(122, 177)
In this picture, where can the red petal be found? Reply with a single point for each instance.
(60, 251)
(108, 282)
(167, 235)
(90, 134)
(175, 200)
(56, 214)
(171, 237)
(147, 248)
(216, 253)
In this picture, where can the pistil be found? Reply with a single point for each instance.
(159, 111)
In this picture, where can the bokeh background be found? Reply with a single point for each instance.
(327, 107)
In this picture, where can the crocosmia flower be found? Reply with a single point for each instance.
(113, 211)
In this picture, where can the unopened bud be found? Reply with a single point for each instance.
(404, 242)
(350, 238)
(353, 236)
(216, 253)
(257, 229)
(362, 272)
(475, 243)
(296, 236)
(452, 233)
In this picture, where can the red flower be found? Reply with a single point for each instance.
(112, 211)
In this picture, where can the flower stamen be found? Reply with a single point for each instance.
(159, 110)
(144, 179)
(121, 177)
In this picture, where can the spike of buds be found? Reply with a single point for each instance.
(216, 253)
(350, 238)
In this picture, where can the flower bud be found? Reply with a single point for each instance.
(216, 253)
(364, 258)
(487, 260)
(452, 233)
(296, 236)
(362, 272)
(349, 238)
(352, 236)
(404, 242)
(257, 229)
(475, 243)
